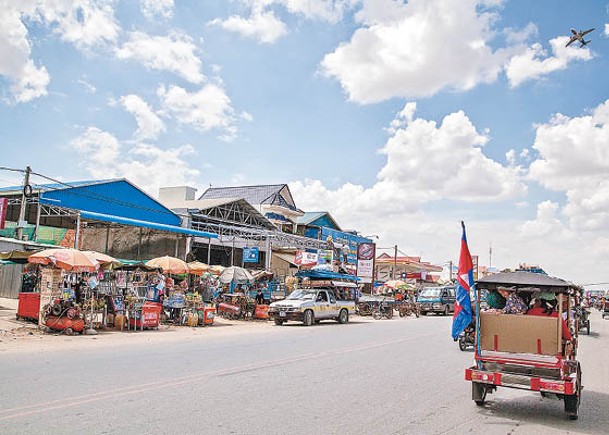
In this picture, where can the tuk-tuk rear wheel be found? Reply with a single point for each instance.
(572, 401)
(479, 393)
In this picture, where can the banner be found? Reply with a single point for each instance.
(3, 207)
(250, 255)
(304, 258)
(366, 252)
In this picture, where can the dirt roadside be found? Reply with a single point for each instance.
(23, 336)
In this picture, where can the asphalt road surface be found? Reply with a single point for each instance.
(396, 376)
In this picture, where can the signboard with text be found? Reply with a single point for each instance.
(250, 255)
(304, 258)
(366, 252)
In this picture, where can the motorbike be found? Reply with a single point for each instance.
(467, 338)
(406, 308)
(583, 319)
(383, 309)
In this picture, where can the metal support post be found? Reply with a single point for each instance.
(26, 183)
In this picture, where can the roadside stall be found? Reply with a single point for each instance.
(64, 288)
(236, 304)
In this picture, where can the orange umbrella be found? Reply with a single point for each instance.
(104, 259)
(169, 264)
(71, 260)
(216, 269)
(198, 268)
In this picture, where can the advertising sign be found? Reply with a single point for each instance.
(3, 207)
(250, 255)
(304, 258)
(325, 258)
(366, 252)
(340, 238)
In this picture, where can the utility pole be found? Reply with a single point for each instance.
(20, 223)
(490, 255)
(395, 261)
(450, 270)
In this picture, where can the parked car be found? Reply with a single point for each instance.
(437, 300)
(311, 305)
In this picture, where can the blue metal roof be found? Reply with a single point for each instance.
(114, 198)
(138, 223)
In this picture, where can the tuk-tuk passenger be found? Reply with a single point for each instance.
(541, 307)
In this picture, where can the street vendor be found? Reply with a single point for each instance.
(260, 297)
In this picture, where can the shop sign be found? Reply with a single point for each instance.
(305, 258)
(366, 253)
(3, 207)
(251, 255)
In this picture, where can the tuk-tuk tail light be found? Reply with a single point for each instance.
(484, 377)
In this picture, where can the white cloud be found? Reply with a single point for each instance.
(606, 29)
(84, 23)
(574, 158)
(326, 10)
(89, 87)
(416, 49)
(425, 162)
(28, 81)
(535, 62)
(263, 26)
(446, 160)
(103, 156)
(209, 108)
(149, 125)
(156, 8)
(174, 53)
(546, 222)
(100, 151)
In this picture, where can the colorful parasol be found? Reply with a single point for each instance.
(197, 268)
(105, 260)
(237, 275)
(216, 269)
(71, 260)
(169, 264)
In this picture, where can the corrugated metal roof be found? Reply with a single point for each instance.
(53, 186)
(311, 216)
(112, 197)
(275, 194)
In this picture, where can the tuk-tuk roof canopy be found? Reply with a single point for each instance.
(526, 279)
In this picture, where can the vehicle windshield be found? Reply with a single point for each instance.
(302, 294)
(430, 292)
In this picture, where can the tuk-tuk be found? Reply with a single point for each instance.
(528, 352)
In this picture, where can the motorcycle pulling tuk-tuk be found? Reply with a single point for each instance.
(528, 352)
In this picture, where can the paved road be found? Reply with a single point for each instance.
(397, 376)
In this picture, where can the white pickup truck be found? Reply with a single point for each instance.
(311, 306)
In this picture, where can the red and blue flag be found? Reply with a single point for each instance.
(465, 282)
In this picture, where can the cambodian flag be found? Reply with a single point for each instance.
(465, 282)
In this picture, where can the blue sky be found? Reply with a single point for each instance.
(400, 118)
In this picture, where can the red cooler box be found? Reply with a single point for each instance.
(151, 314)
(29, 306)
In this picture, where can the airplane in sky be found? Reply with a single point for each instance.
(579, 36)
